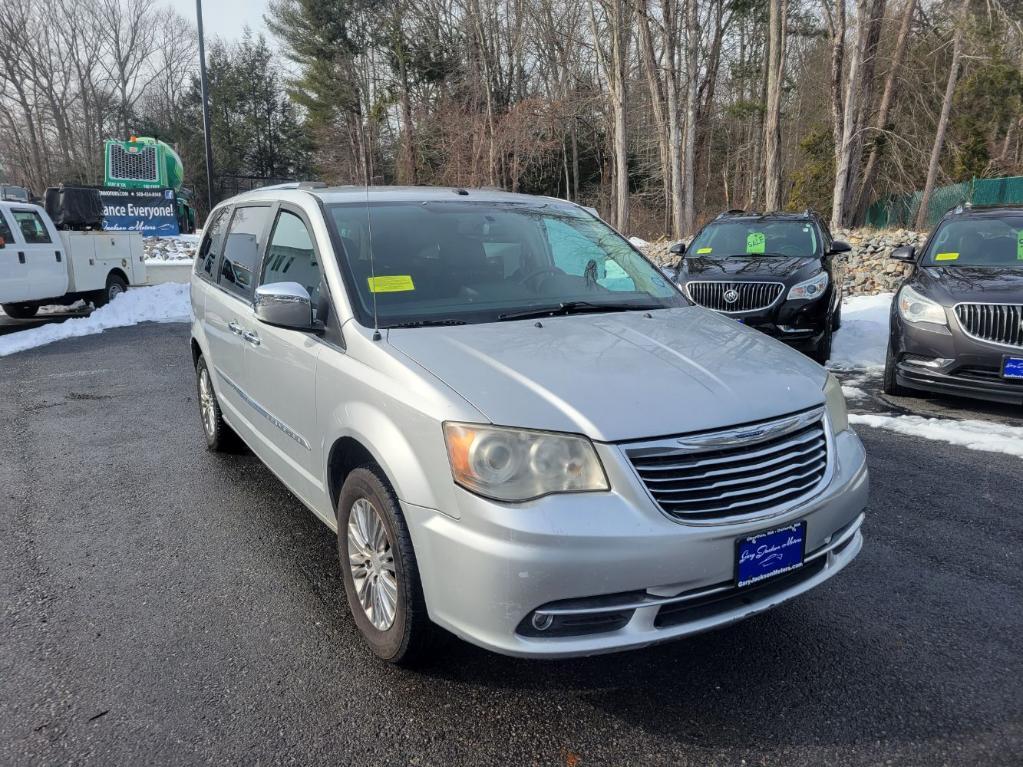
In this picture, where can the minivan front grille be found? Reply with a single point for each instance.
(998, 323)
(718, 476)
(734, 296)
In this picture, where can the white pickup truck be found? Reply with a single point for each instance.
(41, 265)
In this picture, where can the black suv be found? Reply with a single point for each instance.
(771, 271)
(957, 320)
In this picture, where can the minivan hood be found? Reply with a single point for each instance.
(618, 376)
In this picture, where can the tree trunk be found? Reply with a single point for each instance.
(946, 109)
(777, 17)
(692, 63)
(881, 119)
(843, 150)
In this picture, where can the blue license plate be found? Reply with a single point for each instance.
(1012, 367)
(771, 553)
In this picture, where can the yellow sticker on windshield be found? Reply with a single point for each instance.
(700, 251)
(946, 256)
(392, 283)
(756, 242)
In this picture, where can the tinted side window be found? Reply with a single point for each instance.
(5, 230)
(291, 256)
(242, 246)
(32, 227)
(212, 244)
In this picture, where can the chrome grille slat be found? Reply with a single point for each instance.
(996, 323)
(724, 479)
(748, 453)
(752, 297)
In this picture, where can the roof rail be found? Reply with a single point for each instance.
(733, 212)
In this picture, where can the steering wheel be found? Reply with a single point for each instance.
(538, 272)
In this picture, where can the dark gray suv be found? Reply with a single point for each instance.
(957, 320)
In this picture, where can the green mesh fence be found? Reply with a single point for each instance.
(899, 210)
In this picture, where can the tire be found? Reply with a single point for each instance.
(20, 311)
(387, 562)
(890, 384)
(116, 285)
(220, 438)
(822, 353)
(836, 318)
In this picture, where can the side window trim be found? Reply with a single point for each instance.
(222, 212)
(296, 211)
(42, 224)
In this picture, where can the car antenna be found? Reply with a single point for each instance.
(372, 267)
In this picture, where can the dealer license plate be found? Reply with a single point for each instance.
(1012, 367)
(765, 555)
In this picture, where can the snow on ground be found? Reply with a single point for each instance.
(862, 340)
(853, 392)
(157, 303)
(973, 435)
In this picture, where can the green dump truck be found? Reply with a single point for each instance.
(142, 162)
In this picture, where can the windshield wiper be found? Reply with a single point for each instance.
(576, 307)
(425, 323)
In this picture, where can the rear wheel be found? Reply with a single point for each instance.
(116, 285)
(378, 565)
(219, 436)
(890, 384)
(21, 311)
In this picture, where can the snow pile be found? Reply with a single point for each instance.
(639, 242)
(158, 303)
(853, 392)
(973, 435)
(862, 340)
(162, 249)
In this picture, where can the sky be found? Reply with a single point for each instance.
(226, 18)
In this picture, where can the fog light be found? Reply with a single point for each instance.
(542, 622)
(927, 362)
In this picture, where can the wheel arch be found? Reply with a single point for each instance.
(118, 272)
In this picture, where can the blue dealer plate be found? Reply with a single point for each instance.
(771, 553)
(1012, 367)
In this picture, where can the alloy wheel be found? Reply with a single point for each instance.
(207, 405)
(372, 564)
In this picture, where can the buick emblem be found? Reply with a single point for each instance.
(731, 296)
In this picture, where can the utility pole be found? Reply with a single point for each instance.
(204, 90)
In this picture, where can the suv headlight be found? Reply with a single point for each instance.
(811, 288)
(520, 465)
(835, 402)
(914, 307)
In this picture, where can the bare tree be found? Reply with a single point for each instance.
(776, 36)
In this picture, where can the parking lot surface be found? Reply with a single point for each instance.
(162, 605)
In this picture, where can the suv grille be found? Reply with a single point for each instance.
(133, 166)
(734, 473)
(1000, 323)
(746, 296)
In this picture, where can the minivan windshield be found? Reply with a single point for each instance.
(454, 262)
(756, 237)
(980, 241)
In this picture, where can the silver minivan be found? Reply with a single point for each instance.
(522, 432)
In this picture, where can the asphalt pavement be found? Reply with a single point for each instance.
(162, 605)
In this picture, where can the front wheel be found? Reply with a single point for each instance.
(379, 569)
(21, 311)
(822, 353)
(890, 384)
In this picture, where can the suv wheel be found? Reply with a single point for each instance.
(823, 351)
(836, 318)
(379, 569)
(890, 384)
(219, 436)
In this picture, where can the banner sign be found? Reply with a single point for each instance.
(153, 212)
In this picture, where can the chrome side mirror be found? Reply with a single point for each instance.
(904, 253)
(284, 304)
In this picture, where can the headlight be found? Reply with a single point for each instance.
(811, 288)
(519, 465)
(914, 307)
(835, 402)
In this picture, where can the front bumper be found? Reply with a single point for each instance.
(973, 367)
(487, 572)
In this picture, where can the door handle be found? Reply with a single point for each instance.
(21, 258)
(251, 337)
(235, 328)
